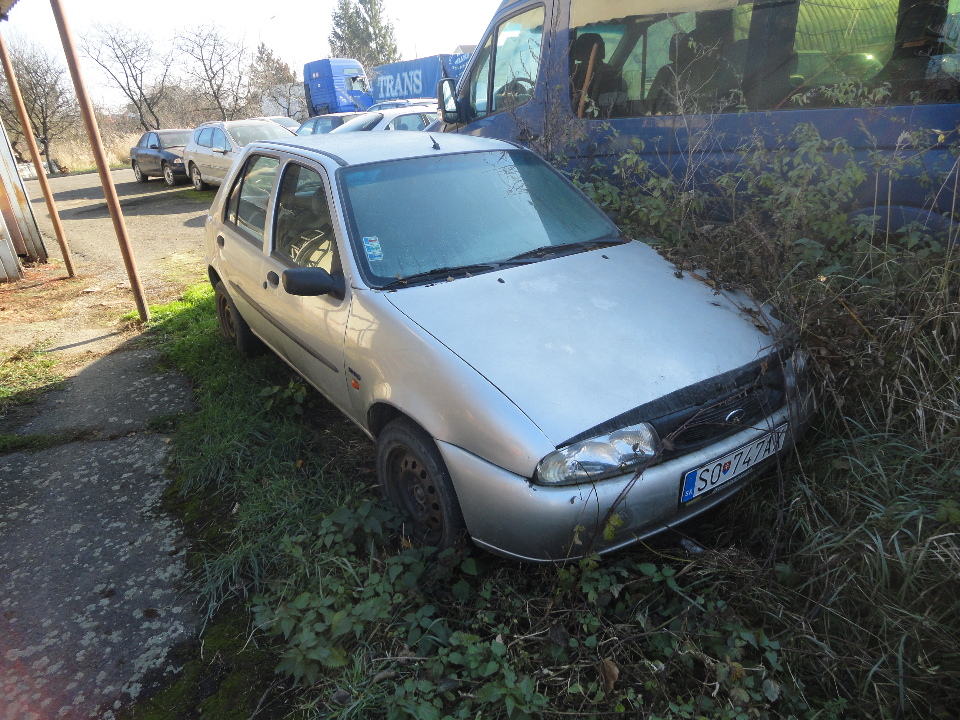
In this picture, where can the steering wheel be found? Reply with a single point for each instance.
(314, 250)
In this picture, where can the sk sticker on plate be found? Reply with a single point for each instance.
(371, 246)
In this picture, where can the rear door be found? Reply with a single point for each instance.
(221, 157)
(242, 239)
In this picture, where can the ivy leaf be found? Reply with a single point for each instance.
(771, 690)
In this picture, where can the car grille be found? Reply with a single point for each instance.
(700, 414)
(758, 392)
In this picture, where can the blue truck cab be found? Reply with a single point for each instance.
(335, 85)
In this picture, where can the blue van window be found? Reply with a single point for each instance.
(517, 59)
(479, 87)
(730, 56)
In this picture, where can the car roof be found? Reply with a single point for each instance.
(359, 148)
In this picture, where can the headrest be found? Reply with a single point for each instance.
(583, 46)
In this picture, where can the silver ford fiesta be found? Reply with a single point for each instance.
(532, 379)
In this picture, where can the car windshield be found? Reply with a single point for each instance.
(367, 121)
(409, 217)
(174, 138)
(245, 134)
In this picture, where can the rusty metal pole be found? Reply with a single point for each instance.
(93, 131)
(35, 155)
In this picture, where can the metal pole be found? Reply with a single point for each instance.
(35, 155)
(93, 131)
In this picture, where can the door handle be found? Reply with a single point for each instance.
(273, 278)
(220, 240)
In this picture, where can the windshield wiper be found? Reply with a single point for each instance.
(546, 251)
(443, 272)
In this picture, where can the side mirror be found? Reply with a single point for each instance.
(154, 146)
(447, 101)
(312, 281)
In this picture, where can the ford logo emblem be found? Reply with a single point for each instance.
(734, 417)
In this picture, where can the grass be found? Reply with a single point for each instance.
(25, 373)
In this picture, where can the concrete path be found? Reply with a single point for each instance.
(91, 568)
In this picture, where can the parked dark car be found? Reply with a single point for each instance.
(160, 154)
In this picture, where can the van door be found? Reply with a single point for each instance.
(499, 92)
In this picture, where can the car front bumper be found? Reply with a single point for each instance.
(512, 516)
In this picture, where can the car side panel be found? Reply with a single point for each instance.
(397, 363)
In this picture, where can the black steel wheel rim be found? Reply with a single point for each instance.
(417, 494)
(226, 318)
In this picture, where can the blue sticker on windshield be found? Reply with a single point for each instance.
(371, 246)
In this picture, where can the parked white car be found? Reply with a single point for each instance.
(530, 376)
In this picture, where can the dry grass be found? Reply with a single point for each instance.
(76, 154)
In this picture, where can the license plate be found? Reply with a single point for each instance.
(717, 472)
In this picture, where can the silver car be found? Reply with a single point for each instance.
(214, 146)
(532, 379)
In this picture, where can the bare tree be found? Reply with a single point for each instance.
(47, 94)
(131, 61)
(218, 68)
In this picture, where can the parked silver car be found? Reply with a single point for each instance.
(530, 376)
(214, 145)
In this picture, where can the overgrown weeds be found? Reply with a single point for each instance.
(829, 591)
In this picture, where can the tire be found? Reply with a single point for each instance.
(414, 477)
(169, 179)
(198, 183)
(139, 174)
(232, 325)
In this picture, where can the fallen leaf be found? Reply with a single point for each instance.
(609, 673)
(383, 675)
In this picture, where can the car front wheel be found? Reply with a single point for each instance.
(232, 325)
(139, 174)
(169, 178)
(198, 182)
(414, 477)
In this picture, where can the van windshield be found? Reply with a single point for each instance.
(409, 217)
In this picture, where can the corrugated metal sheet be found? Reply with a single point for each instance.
(9, 262)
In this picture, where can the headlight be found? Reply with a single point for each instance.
(600, 457)
(177, 161)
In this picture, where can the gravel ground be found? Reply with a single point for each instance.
(92, 593)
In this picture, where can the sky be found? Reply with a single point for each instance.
(296, 32)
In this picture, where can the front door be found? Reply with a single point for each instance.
(307, 331)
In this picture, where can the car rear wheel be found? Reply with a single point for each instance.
(169, 178)
(414, 477)
(232, 325)
(198, 183)
(139, 174)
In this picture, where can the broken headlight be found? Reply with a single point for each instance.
(601, 457)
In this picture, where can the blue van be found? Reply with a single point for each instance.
(335, 85)
(697, 80)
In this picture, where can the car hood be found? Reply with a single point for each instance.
(577, 340)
